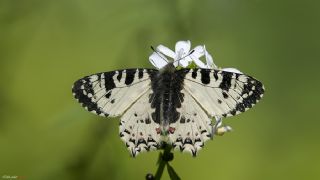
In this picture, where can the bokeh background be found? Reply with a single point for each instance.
(45, 45)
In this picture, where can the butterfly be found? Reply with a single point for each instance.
(167, 106)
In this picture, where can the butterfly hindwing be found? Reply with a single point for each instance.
(112, 93)
(137, 128)
(193, 128)
(222, 93)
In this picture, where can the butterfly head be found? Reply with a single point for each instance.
(169, 68)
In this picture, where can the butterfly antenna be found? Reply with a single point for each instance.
(192, 51)
(158, 53)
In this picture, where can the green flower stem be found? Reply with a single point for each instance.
(163, 161)
(161, 166)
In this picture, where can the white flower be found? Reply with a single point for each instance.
(182, 56)
(218, 129)
(201, 51)
(222, 130)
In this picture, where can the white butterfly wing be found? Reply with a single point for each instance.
(222, 93)
(207, 94)
(112, 93)
(192, 129)
(137, 128)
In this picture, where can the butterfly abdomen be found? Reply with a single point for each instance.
(167, 98)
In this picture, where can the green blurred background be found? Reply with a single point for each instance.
(46, 45)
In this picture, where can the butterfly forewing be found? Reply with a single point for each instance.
(112, 93)
(222, 93)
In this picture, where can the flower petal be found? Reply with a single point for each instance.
(209, 59)
(218, 121)
(166, 51)
(182, 62)
(222, 130)
(199, 63)
(198, 51)
(158, 60)
(188, 59)
(234, 70)
(183, 46)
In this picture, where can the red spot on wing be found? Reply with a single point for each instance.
(158, 130)
(171, 130)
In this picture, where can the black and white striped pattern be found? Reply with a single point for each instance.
(167, 106)
(210, 93)
(106, 94)
(223, 93)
